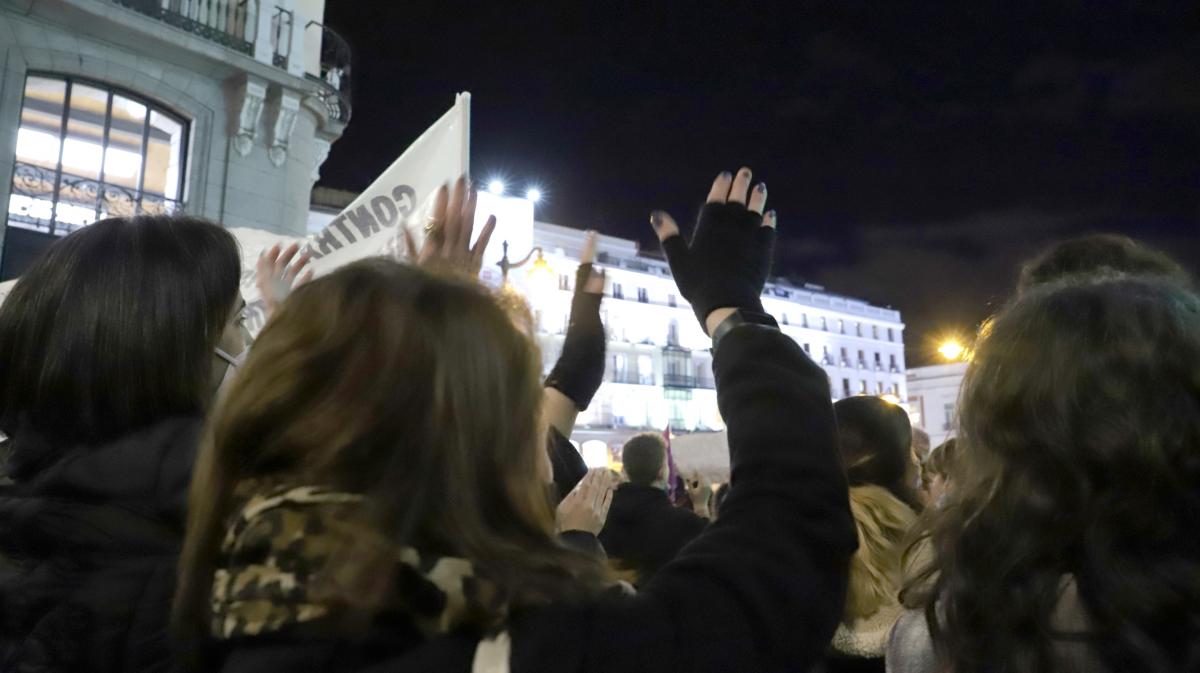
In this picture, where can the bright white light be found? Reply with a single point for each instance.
(534, 194)
(78, 154)
(121, 164)
(36, 145)
(496, 187)
(595, 453)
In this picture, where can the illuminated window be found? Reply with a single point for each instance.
(86, 152)
(643, 297)
(618, 292)
(564, 282)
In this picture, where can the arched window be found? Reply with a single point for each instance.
(86, 152)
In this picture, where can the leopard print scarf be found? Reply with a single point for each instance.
(278, 569)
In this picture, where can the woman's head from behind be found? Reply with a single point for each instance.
(413, 390)
(1080, 459)
(114, 328)
(875, 437)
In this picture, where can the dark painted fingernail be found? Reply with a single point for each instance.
(656, 219)
(726, 175)
(762, 187)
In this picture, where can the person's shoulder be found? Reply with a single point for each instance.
(910, 647)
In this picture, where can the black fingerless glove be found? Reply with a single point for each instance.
(580, 368)
(727, 262)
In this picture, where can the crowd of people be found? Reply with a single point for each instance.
(383, 480)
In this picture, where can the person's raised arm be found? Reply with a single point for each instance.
(762, 589)
(577, 374)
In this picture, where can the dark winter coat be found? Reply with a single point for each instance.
(89, 545)
(644, 530)
(761, 589)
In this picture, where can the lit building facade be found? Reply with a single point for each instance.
(933, 398)
(222, 109)
(659, 367)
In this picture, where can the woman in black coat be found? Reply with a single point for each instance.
(371, 492)
(108, 360)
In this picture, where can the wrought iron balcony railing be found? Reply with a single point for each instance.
(334, 77)
(58, 203)
(232, 23)
(672, 380)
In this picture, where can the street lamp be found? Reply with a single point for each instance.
(539, 271)
(533, 195)
(951, 350)
(496, 187)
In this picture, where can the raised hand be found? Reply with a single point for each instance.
(276, 274)
(727, 262)
(586, 507)
(448, 245)
(700, 492)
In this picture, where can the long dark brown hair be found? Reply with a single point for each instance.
(418, 392)
(1078, 474)
(113, 329)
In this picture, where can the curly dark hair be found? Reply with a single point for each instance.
(1078, 474)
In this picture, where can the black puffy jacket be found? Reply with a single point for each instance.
(89, 545)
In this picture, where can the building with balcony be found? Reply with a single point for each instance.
(659, 370)
(223, 109)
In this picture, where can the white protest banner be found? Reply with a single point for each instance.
(400, 197)
(373, 224)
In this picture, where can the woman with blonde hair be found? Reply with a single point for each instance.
(875, 438)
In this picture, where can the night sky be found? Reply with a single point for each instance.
(915, 153)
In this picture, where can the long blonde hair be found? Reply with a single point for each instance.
(876, 572)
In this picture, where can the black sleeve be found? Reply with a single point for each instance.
(583, 541)
(568, 465)
(762, 588)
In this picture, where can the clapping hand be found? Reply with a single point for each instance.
(586, 507)
(276, 274)
(448, 244)
(726, 264)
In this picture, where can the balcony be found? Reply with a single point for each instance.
(80, 200)
(333, 77)
(232, 23)
(675, 380)
(241, 26)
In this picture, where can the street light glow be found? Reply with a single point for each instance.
(951, 350)
(496, 187)
(534, 194)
